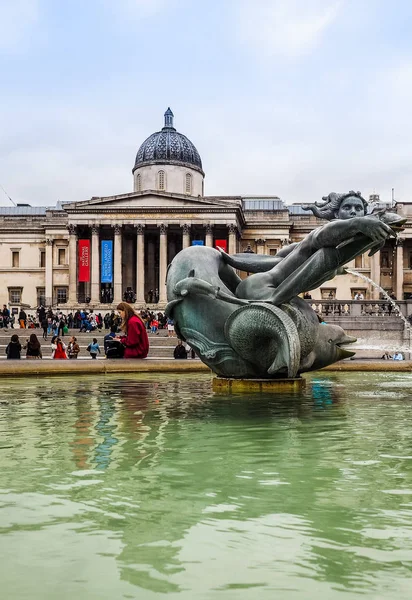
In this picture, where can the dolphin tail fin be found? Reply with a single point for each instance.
(266, 336)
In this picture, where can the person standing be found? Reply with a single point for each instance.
(44, 325)
(61, 326)
(154, 326)
(41, 312)
(93, 348)
(58, 348)
(170, 327)
(6, 316)
(73, 348)
(22, 319)
(135, 340)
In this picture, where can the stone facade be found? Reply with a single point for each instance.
(169, 178)
(39, 247)
(148, 227)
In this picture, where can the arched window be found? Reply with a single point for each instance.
(188, 183)
(161, 180)
(138, 183)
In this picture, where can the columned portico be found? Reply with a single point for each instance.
(375, 274)
(162, 263)
(72, 265)
(399, 269)
(260, 246)
(117, 275)
(232, 238)
(186, 236)
(140, 283)
(95, 271)
(49, 271)
(209, 236)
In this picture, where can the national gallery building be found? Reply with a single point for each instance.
(96, 250)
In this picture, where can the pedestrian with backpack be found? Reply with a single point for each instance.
(93, 348)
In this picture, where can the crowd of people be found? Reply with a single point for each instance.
(127, 337)
(396, 356)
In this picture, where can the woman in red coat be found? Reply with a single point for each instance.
(135, 339)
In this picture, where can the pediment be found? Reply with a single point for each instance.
(149, 200)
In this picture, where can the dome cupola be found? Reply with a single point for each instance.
(168, 146)
(168, 161)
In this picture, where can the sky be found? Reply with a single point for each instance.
(290, 98)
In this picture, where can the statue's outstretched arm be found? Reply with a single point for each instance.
(336, 232)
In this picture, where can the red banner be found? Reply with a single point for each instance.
(221, 244)
(84, 260)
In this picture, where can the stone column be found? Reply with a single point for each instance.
(399, 269)
(72, 265)
(186, 236)
(375, 274)
(49, 271)
(95, 286)
(209, 236)
(260, 246)
(232, 238)
(117, 278)
(162, 263)
(140, 265)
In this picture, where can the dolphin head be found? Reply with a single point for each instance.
(328, 348)
(194, 286)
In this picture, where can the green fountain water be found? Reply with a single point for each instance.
(151, 488)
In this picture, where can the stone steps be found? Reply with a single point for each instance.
(160, 346)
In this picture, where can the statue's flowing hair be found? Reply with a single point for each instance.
(330, 204)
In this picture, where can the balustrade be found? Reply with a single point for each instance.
(358, 308)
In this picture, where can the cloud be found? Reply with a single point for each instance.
(17, 17)
(285, 27)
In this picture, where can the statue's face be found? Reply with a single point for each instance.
(351, 207)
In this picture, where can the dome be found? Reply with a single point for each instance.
(168, 146)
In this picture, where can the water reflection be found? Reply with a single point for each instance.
(194, 493)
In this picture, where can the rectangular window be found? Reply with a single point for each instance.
(61, 259)
(15, 295)
(358, 262)
(328, 293)
(61, 295)
(358, 293)
(188, 183)
(15, 259)
(41, 296)
(272, 251)
(42, 259)
(384, 259)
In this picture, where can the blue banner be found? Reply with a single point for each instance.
(198, 243)
(106, 275)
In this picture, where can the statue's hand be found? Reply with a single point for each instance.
(341, 271)
(373, 228)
